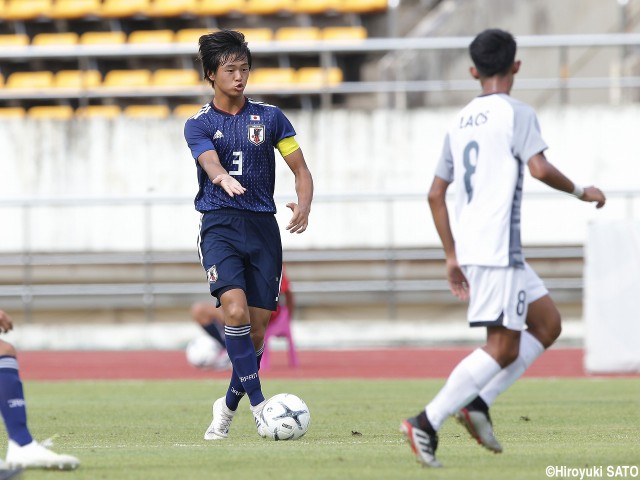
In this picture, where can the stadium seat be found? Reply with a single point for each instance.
(103, 38)
(127, 78)
(318, 76)
(147, 111)
(124, 8)
(362, 6)
(30, 80)
(186, 110)
(297, 34)
(279, 326)
(217, 8)
(55, 39)
(99, 111)
(191, 35)
(267, 7)
(17, 40)
(313, 7)
(71, 9)
(172, 8)
(77, 79)
(151, 36)
(26, 9)
(268, 77)
(55, 112)
(175, 77)
(12, 112)
(256, 35)
(344, 33)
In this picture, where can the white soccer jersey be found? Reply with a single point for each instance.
(485, 151)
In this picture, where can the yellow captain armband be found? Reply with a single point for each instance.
(287, 145)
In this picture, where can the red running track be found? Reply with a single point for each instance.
(397, 363)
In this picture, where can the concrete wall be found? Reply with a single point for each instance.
(349, 152)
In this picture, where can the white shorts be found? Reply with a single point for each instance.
(500, 296)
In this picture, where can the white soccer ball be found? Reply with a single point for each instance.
(203, 352)
(286, 417)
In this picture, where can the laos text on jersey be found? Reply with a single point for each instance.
(485, 151)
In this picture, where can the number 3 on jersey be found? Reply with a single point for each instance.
(237, 160)
(470, 168)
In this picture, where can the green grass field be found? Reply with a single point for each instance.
(153, 430)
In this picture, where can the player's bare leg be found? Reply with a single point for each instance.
(543, 328)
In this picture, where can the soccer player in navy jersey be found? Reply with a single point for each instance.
(232, 139)
(486, 149)
(22, 451)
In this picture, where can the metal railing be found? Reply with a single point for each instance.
(146, 292)
(327, 53)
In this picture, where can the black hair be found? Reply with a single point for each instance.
(493, 52)
(219, 47)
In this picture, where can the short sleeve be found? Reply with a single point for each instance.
(198, 138)
(444, 168)
(283, 127)
(527, 138)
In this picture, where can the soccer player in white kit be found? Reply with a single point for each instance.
(486, 150)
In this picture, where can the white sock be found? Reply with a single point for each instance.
(530, 349)
(464, 383)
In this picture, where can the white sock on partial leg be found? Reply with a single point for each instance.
(530, 349)
(464, 383)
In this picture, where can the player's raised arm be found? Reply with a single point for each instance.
(304, 189)
(546, 172)
(210, 163)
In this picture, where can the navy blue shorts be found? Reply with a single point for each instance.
(242, 249)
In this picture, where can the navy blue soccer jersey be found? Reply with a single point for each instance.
(245, 145)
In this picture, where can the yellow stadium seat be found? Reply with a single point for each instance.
(75, 8)
(186, 110)
(77, 79)
(267, 7)
(191, 35)
(103, 38)
(101, 111)
(344, 33)
(362, 6)
(147, 111)
(313, 7)
(30, 80)
(17, 40)
(26, 9)
(255, 35)
(55, 39)
(152, 36)
(297, 34)
(12, 112)
(127, 78)
(218, 8)
(318, 76)
(272, 77)
(124, 8)
(174, 77)
(172, 8)
(55, 112)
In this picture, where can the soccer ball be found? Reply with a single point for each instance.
(286, 417)
(204, 352)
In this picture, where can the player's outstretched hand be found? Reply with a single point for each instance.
(229, 184)
(299, 220)
(5, 322)
(457, 281)
(594, 194)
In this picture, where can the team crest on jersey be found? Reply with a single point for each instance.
(212, 274)
(256, 134)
